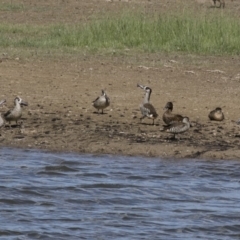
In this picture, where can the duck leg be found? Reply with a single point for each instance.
(141, 118)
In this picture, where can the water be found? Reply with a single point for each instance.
(66, 196)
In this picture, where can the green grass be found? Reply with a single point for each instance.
(11, 7)
(214, 33)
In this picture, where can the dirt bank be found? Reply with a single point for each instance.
(60, 89)
(60, 116)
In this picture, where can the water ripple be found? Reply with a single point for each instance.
(61, 196)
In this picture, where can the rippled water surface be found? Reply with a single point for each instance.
(66, 196)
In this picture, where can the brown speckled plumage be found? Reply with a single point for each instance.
(216, 115)
(178, 127)
(168, 117)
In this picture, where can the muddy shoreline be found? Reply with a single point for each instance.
(60, 116)
(60, 87)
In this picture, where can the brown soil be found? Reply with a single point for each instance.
(60, 90)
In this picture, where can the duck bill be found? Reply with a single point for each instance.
(23, 103)
(2, 102)
(141, 86)
(165, 107)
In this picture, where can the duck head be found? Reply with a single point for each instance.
(168, 106)
(2, 102)
(20, 101)
(145, 88)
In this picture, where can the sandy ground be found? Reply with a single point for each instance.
(60, 89)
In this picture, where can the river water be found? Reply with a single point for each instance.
(69, 196)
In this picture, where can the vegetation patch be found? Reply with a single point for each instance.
(207, 33)
(11, 7)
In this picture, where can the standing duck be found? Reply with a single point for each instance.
(16, 113)
(216, 115)
(168, 117)
(222, 3)
(146, 107)
(178, 127)
(1, 119)
(101, 102)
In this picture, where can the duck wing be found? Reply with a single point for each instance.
(170, 118)
(7, 113)
(149, 110)
(177, 127)
(107, 100)
(95, 100)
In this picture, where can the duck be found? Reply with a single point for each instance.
(216, 114)
(1, 118)
(222, 3)
(101, 102)
(15, 113)
(146, 108)
(168, 117)
(178, 127)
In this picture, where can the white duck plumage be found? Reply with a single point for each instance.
(101, 102)
(1, 118)
(15, 113)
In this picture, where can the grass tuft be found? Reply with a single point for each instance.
(11, 7)
(207, 33)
